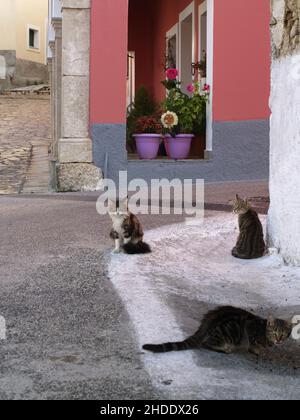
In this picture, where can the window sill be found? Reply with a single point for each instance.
(166, 160)
(35, 50)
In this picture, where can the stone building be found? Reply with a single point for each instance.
(284, 216)
(23, 43)
(102, 51)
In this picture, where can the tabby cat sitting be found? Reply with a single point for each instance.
(250, 244)
(127, 231)
(229, 330)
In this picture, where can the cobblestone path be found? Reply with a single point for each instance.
(23, 122)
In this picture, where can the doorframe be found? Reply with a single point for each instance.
(131, 70)
(174, 31)
(189, 10)
(208, 7)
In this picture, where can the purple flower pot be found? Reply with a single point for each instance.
(147, 145)
(179, 147)
(166, 142)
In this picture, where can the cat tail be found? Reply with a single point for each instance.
(138, 248)
(189, 344)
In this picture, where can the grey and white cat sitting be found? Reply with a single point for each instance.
(127, 231)
(229, 330)
(250, 244)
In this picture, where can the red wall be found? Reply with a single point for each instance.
(242, 60)
(109, 21)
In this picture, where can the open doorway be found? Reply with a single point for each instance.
(159, 40)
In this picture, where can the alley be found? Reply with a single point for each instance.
(24, 122)
(77, 316)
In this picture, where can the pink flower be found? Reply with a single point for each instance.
(172, 74)
(206, 88)
(190, 88)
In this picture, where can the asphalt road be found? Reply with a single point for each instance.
(68, 334)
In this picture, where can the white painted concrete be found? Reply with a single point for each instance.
(210, 73)
(284, 215)
(190, 271)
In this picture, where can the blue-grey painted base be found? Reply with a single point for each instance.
(109, 149)
(240, 152)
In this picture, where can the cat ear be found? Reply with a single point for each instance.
(123, 204)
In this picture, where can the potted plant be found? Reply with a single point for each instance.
(144, 105)
(184, 116)
(148, 136)
(178, 137)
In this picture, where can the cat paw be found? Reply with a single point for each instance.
(116, 251)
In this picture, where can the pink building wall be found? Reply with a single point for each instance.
(109, 21)
(241, 55)
(242, 60)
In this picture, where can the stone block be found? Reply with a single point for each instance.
(78, 177)
(75, 106)
(76, 43)
(76, 4)
(75, 150)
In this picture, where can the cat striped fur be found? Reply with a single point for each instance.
(250, 244)
(228, 330)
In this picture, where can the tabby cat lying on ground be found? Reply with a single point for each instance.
(250, 244)
(228, 330)
(127, 231)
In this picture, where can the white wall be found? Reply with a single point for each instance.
(284, 215)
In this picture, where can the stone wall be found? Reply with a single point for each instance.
(285, 27)
(30, 73)
(15, 72)
(284, 215)
(7, 68)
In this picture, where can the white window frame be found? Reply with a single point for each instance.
(169, 35)
(208, 7)
(131, 76)
(38, 30)
(202, 11)
(189, 10)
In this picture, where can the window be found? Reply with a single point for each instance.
(33, 38)
(186, 44)
(172, 47)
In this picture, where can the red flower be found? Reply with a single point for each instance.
(206, 88)
(172, 74)
(148, 124)
(191, 88)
